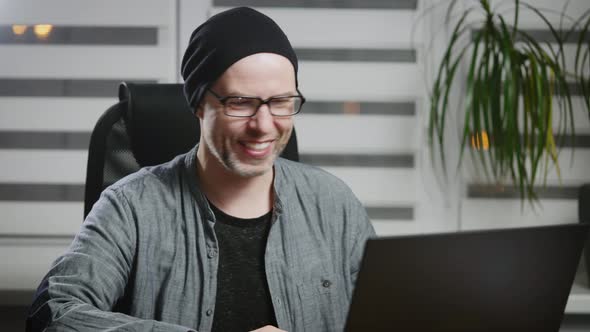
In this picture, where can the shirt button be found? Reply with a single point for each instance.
(326, 283)
(211, 252)
(209, 312)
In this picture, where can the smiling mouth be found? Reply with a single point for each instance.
(257, 146)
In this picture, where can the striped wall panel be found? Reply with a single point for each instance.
(40, 218)
(327, 4)
(109, 13)
(83, 62)
(348, 28)
(550, 8)
(390, 133)
(480, 213)
(66, 115)
(24, 262)
(574, 166)
(43, 166)
(334, 81)
(52, 91)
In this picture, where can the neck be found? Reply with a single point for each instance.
(238, 196)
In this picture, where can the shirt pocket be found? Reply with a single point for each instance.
(323, 304)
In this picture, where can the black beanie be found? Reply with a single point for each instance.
(224, 39)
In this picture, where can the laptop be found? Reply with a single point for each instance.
(496, 280)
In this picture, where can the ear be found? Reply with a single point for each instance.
(200, 110)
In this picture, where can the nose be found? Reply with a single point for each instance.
(262, 121)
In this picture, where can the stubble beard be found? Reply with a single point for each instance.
(232, 163)
(229, 160)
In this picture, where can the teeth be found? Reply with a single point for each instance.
(257, 146)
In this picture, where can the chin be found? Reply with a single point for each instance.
(248, 170)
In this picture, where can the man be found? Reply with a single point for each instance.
(227, 237)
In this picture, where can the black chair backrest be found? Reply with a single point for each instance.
(150, 125)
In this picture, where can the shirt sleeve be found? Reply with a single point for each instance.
(83, 285)
(364, 231)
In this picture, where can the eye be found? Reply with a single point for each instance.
(240, 103)
(282, 101)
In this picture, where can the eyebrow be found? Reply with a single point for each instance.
(239, 94)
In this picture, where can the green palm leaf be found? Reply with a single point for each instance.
(511, 85)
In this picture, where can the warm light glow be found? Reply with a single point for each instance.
(42, 31)
(19, 29)
(350, 107)
(480, 141)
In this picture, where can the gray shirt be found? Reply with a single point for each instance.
(146, 256)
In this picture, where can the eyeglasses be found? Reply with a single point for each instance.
(243, 107)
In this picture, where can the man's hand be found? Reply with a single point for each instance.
(269, 328)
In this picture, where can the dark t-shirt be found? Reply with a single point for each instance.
(243, 300)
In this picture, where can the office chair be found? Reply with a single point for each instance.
(150, 125)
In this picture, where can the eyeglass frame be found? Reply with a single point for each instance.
(223, 100)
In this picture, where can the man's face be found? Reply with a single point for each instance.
(248, 146)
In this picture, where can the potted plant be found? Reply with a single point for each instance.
(511, 85)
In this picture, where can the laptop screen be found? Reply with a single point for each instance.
(497, 280)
